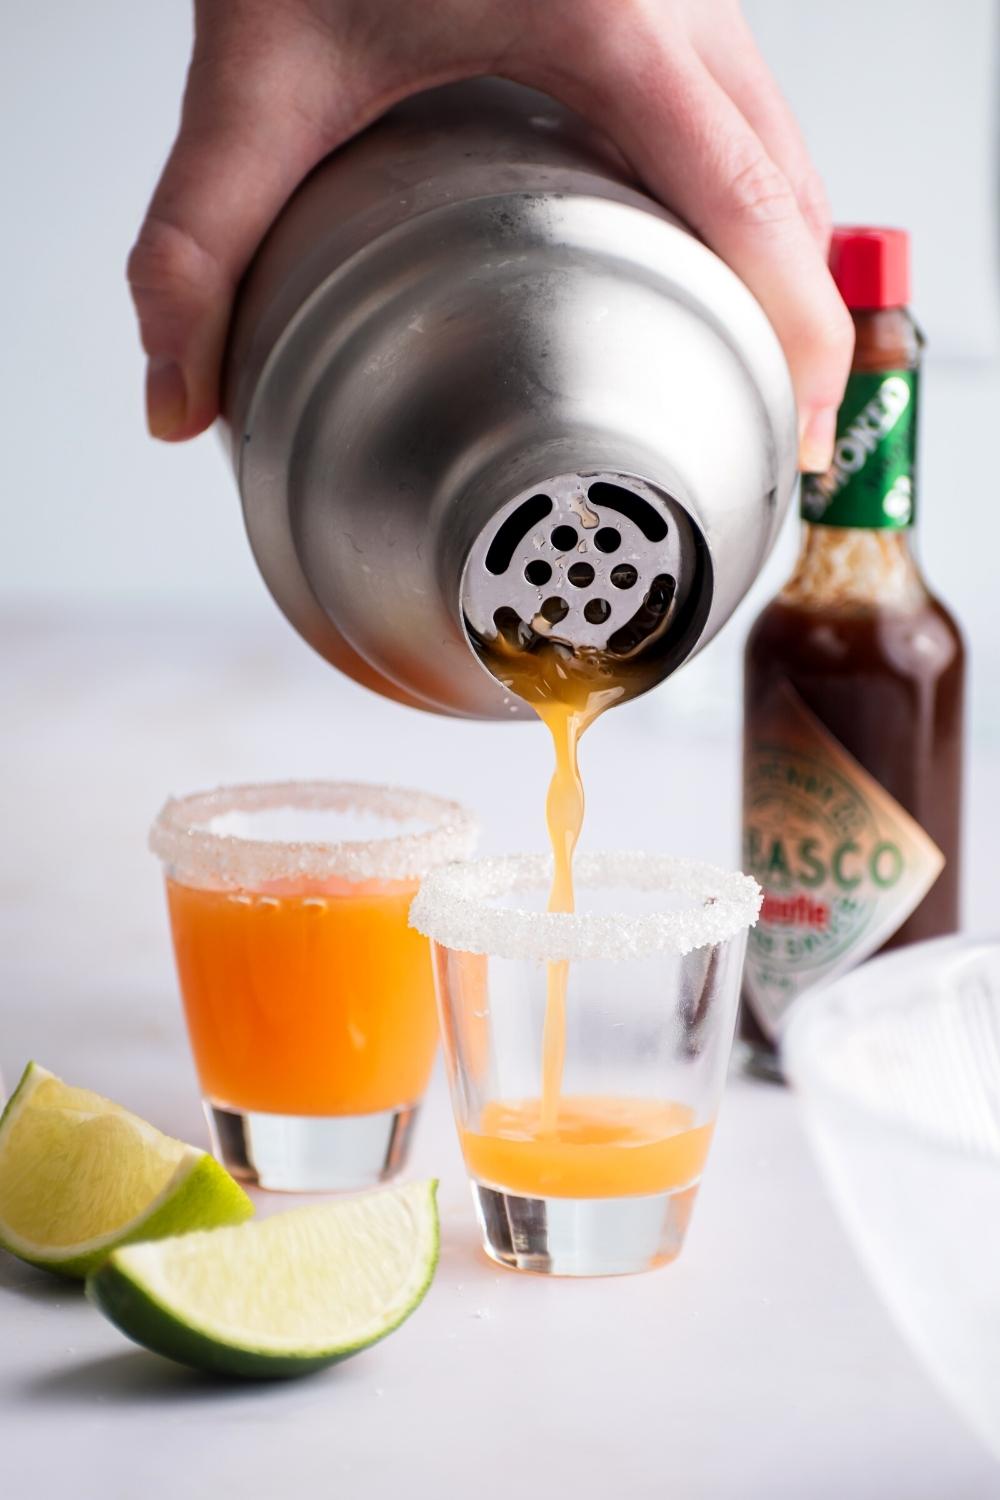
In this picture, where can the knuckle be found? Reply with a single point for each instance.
(814, 203)
(829, 345)
(633, 33)
(642, 14)
(595, 13)
(167, 261)
(757, 193)
(836, 334)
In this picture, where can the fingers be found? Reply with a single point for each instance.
(697, 153)
(733, 60)
(267, 99)
(274, 86)
(243, 146)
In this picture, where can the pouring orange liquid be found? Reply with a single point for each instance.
(559, 1145)
(567, 701)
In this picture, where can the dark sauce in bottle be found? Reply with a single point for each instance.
(856, 650)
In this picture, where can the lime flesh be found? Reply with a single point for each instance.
(80, 1176)
(283, 1296)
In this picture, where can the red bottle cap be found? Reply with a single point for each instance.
(871, 266)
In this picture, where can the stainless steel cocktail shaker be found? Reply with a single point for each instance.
(475, 369)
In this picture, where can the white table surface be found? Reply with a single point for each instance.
(761, 1364)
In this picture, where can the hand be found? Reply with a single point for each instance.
(274, 85)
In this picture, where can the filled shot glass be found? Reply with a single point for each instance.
(586, 1052)
(309, 1001)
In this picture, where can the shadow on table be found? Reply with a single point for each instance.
(35, 1285)
(135, 1378)
(132, 1377)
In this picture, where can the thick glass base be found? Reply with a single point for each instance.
(311, 1153)
(582, 1236)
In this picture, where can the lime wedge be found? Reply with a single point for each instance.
(80, 1176)
(282, 1296)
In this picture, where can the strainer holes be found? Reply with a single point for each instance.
(554, 609)
(607, 539)
(630, 505)
(596, 611)
(661, 594)
(580, 575)
(511, 628)
(564, 538)
(648, 620)
(538, 572)
(624, 576)
(513, 531)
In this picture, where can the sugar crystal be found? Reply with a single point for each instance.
(456, 907)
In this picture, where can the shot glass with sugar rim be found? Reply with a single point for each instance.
(586, 1051)
(309, 1000)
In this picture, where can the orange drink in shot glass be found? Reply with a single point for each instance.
(309, 1000)
(590, 1167)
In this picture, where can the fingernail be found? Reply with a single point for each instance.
(817, 433)
(166, 397)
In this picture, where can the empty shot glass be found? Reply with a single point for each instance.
(309, 1000)
(586, 1052)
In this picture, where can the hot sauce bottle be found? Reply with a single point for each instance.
(854, 685)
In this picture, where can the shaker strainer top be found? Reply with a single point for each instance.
(599, 561)
(485, 396)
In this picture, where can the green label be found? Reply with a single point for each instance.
(871, 479)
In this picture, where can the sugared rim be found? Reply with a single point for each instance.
(454, 907)
(195, 853)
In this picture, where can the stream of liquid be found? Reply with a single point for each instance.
(568, 689)
(563, 1144)
(566, 717)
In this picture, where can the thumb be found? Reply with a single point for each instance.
(244, 144)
